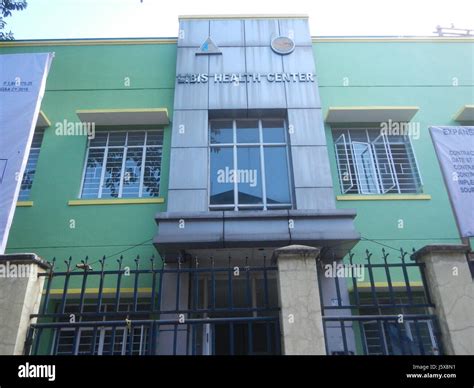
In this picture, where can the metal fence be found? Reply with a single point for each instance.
(390, 314)
(192, 306)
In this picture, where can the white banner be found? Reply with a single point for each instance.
(455, 149)
(22, 85)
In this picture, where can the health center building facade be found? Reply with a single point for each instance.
(244, 188)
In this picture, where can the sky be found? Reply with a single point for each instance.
(66, 19)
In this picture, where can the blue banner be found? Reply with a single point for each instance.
(455, 150)
(22, 86)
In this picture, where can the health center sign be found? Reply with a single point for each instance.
(455, 150)
(22, 85)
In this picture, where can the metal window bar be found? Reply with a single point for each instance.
(383, 316)
(397, 165)
(93, 188)
(132, 322)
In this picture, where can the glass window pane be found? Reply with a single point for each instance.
(221, 132)
(273, 131)
(29, 175)
(276, 175)
(247, 131)
(30, 170)
(90, 188)
(248, 175)
(154, 138)
(222, 186)
(99, 140)
(117, 138)
(152, 174)
(113, 169)
(37, 139)
(132, 173)
(136, 138)
(365, 168)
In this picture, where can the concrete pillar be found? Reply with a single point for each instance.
(166, 333)
(298, 293)
(452, 290)
(20, 295)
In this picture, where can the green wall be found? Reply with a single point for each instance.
(92, 77)
(404, 74)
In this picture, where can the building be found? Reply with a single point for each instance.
(215, 150)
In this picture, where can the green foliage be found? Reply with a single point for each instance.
(6, 8)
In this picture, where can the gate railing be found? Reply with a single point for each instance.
(188, 307)
(391, 313)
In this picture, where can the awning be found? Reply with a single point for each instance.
(113, 117)
(43, 121)
(466, 113)
(370, 114)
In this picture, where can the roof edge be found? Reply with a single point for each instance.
(173, 40)
(245, 16)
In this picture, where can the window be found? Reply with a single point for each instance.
(123, 165)
(135, 342)
(249, 165)
(372, 163)
(30, 170)
(397, 337)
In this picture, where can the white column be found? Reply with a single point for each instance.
(298, 292)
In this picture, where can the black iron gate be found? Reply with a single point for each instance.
(388, 313)
(196, 307)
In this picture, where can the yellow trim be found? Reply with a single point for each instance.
(370, 107)
(96, 290)
(385, 284)
(115, 42)
(244, 16)
(378, 107)
(138, 110)
(24, 203)
(119, 201)
(458, 113)
(86, 42)
(426, 39)
(383, 197)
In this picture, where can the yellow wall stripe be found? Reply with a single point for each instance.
(24, 203)
(75, 291)
(383, 197)
(120, 201)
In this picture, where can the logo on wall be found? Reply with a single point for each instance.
(283, 45)
(209, 48)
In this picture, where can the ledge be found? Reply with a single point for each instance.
(43, 121)
(369, 114)
(440, 248)
(383, 197)
(244, 16)
(119, 201)
(24, 204)
(114, 117)
(25, 258)
(465, 114)
(196, 232)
